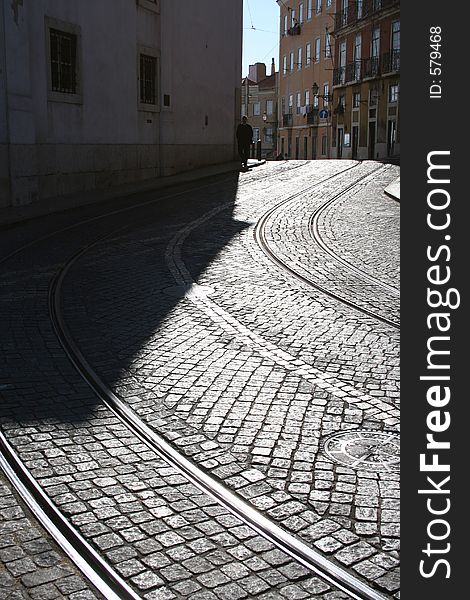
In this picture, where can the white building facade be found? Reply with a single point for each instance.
(97, 94)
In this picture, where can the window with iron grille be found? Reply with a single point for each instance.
(148, 79)
(63, 56)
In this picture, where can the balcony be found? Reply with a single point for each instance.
(294, 30)
(391, 62)
(349, 15)
(287, 120)
(368, 67)
(371, 67)
(312, 115)
(350, 73)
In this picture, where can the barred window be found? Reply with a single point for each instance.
(63, 54)
(148, 79)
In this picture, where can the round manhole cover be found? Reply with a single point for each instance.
(366, 450)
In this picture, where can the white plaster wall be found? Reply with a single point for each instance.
(108, 113)
(201, 71)
(104, 139)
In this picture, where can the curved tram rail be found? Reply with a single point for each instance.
(90, 563)
(260, 237)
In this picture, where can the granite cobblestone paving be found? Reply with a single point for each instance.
(224, 398)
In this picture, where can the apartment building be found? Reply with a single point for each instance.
(366, 79)
(259, 105)
(305, 78)
(96, 94)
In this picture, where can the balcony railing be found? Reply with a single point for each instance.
(368, 67)
(287, 120)
(294, 30)
(351, 72)
(360, 10)
(371, 67)
(312, 116)
(391, 62)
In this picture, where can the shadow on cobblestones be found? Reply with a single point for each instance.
(116, 298)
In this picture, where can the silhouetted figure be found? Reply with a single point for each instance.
(244, 139)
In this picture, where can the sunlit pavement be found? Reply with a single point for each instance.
(279, 379)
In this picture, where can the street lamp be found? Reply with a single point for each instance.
(265, 117)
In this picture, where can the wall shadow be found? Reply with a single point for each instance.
(116, 299)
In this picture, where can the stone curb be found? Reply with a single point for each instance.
(393, 190)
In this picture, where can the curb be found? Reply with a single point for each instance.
(393, 190)
(14, 215)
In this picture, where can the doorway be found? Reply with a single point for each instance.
(371, 140)
(391, 136)
(355, 140)
(340, 142)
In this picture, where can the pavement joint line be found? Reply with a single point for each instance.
(173, 256)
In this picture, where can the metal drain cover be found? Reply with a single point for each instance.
(365, 450)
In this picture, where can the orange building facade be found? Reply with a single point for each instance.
(306, 63)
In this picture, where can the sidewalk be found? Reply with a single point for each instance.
(14, 214)
(393, 190)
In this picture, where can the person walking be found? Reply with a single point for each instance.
(244, 139)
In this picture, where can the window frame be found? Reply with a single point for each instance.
(317, 50)
(309, 10)
(396, 87)
(327, 44)
(71, 29)
(153, 53)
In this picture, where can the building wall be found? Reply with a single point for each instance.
(301, 136)
(104, 136)
(201, 66)
(372, 121)
(264, 91)
(4, 151)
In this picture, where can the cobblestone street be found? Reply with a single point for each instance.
(246, 325)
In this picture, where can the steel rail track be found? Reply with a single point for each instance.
(263, 243)
(89, 562)
(308, 557)
(317, 237)
(127, 209)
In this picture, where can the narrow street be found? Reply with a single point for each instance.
(204, 382)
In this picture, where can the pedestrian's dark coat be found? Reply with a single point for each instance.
(244, 134)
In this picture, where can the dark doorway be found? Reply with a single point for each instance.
(355, 140)
(371, 140)
(340, 142)
(391, 136)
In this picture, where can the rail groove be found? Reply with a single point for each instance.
(311, 559)
(92, 565)
(263, 243)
